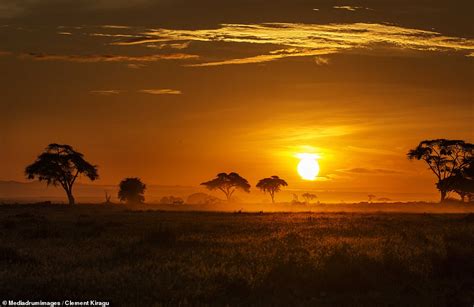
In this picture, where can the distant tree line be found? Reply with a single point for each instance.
(452, 162)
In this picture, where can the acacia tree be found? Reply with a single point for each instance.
(61, 165)
(445, 158)
(309, 197)
(132, 190)
(271, 185)
(228, 184)
(462, 182)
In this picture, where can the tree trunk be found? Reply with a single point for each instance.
(443, 195)
(273, 197)
(70, 198)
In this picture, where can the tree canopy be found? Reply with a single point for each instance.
(461, 183)
(308, 197)
(132, 190)
(228, 184)
(445, 158)
(271, 185)
(61, 165)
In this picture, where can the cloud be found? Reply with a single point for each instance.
(373, 151)
(351, 8)
(165, 91)
(294, 39)
(183, 45)
(321, 60)
(135, 66)
(107, 58)
(115, 27)
(112, 35)
(266, 57)
(360, 170)
(106, 92)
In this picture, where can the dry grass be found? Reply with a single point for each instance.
(192, 258)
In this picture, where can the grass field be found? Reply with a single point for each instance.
(149, 257)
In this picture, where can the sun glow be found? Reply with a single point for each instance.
(308, 167)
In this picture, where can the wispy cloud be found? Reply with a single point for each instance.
(106, 92)
(360, 170)
(158, 91)
(107, 58)
(165, 91)
(308, 39)
(135, 66)
(183, 45)
(129, 36)
(321, 60)
(115, 27)
(351, 8)
(377, 151)
(279, 54)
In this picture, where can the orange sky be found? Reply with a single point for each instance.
(177, 100)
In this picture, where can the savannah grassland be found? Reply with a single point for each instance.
(161, 258)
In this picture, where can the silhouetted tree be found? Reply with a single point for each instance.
(462, 182)
(445, 158)
(308, 197)
(108, 198)
(228, 184)
(132, 190)
(271, 185)
(61, 165)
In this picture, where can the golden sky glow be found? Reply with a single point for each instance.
(145, 88)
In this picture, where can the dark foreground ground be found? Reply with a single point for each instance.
(145, 257)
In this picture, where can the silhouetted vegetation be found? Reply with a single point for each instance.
(308, 197)
(201, 199)
(171, 200)
(228, 184)
(156, 258)
(271, 185)
(132, 190)
(461, 183)
(446, 159)
(296, 200)
(108, 198)
(61, 165)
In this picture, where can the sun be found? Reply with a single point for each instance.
(308, 167)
